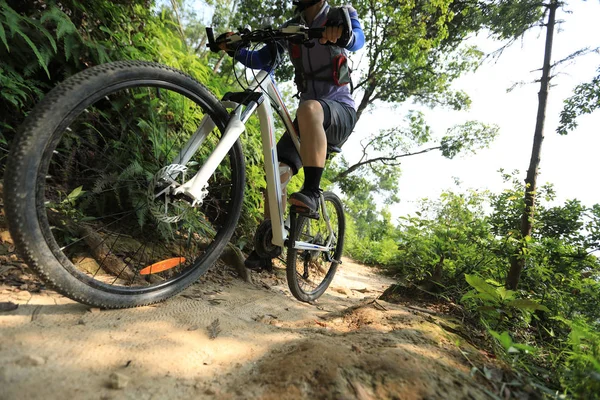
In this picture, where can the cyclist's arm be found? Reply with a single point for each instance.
(358, 39)
(259, 59)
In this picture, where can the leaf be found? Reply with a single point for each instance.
(487, 296)
(44, 32)
(505, 294)
(525, 348)
(504, 338)
(36, 52)
(3, 37)
(486, 308)
(71, 197)
(527, 304)
(481, 286)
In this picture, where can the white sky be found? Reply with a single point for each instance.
(570, 162)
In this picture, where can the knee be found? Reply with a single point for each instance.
(310, 110)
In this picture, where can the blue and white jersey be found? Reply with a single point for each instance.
(316, 60)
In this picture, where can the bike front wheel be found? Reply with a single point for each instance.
(310, 272)
(90, 185)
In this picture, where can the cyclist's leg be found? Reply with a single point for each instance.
(311, 121)
(321, 122)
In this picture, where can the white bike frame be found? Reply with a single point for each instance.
(196, 187)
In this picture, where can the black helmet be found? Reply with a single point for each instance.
(302, 5)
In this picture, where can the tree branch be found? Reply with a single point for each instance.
(580, 52)
(356, 166)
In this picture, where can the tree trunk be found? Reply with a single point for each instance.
(517, 261)
(201, 49)
(219, 63)
(366, 99)
(175, 10)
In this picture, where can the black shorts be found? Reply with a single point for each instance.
(338, 123)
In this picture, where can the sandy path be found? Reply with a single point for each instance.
(268, 345)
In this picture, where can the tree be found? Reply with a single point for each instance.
(517, 260)
(383, 151)
(413, 51)
(416, 50)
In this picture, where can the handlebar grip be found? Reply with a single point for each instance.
(211, 40)
(315, 33)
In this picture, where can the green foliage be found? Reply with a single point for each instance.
(585, 100)
(581, 369)
(42, 44)
(45, 42)
(467, 138)
(507, 343)
(411, 53)
(509, 19)
(460, 245)
(498, 305)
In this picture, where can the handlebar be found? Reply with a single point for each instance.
(245, 37)
(211, 40)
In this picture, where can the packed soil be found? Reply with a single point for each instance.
(225, 338)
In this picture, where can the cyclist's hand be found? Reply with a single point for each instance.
(221, 42)
(331, 34)
(338, 27)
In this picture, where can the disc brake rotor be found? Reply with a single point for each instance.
(163, 204)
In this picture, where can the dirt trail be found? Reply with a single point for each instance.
(267, 345)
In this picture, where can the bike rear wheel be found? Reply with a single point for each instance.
(89, 185)
(310, 272)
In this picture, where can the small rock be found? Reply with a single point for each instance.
(24, 286)
(31, 361)
(342, 290)
(81, 322)
(193, 328)
(118, 381)
(210, 392)
(95, 310)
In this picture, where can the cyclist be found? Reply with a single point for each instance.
(327, 112)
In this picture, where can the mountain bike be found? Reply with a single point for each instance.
(125, 183)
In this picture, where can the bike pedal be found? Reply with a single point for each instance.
(305, 212)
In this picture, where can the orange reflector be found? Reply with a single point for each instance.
(162, 265)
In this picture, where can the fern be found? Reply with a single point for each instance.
(14, 21)
(63, 24)
(71, 47)
(3, 37)
(131, 171)
(103, 183)
(43, 31)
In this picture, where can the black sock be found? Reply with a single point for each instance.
(312, 178)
